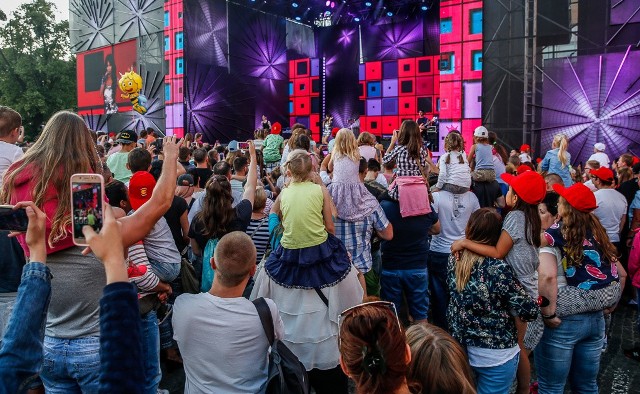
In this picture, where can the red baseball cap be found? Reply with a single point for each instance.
(524, 147)
(578, 196)
(603, 173)
(522, 168)
(141, 188)
(529, 186)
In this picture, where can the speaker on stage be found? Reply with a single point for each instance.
(553, 22)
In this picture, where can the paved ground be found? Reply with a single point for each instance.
(618, 374)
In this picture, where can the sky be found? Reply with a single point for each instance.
(62, 6)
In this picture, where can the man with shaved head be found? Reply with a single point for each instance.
(219, 333)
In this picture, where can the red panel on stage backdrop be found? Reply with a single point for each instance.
(406, 67)
(314, 126)
(363, 90)
(91, 68)
(301, 87)
(426, 65)
(373, 70)
(302, 106)
(302, 68)
(467, 9)
(424, 86)
(468, 125)
(373, 125)
(450, 56)
(390, 123)
(407, 105)
(407, 87)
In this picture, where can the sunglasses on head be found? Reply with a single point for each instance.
(378, 304)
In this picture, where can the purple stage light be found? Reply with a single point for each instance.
(394, 41)
(590, 106)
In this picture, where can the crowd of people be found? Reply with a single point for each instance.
(378, 268)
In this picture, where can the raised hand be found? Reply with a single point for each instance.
(107, 246)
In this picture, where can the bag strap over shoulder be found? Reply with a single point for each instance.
(322, 296)
(265, 318)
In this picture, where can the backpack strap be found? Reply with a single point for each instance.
(322, 296)
(265, 318)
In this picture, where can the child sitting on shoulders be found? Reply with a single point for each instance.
(482, 155)
(455, 174)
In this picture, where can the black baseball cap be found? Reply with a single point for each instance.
(127, 137)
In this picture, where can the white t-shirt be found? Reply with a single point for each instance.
(9, 154)
(612, 206)
(222, 343)
(601, 158)
(525, 158)
(453, 212)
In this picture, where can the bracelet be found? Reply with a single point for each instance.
(549, 317)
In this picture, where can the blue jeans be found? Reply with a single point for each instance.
(151, 352)
(167, 272)
(415, 285)
(439, 291)
(498, 379)
(71, 365)
(21, 347)
(571, 351)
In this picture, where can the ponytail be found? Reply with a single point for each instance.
(562, 150)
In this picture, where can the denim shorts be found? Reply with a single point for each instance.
(167, 272)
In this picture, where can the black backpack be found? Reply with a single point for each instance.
(287, 375)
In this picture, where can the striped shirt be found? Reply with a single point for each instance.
(258, 230)
(138, 257)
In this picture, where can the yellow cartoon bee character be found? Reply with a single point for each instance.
(131, 84)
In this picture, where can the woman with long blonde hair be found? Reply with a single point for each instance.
(353, 200)
(558, 159)
(43, 175)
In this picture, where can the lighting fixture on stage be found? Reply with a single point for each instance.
(298, 18)
(389, 13)
(294, 5)
(356, 19)
(424, 8)
(368, 4)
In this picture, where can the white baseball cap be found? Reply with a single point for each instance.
(599, 147)
(481, 131)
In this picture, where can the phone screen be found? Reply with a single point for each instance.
(243, 145)
(13, 219)
(87, 206)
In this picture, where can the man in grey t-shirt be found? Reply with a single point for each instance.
(221, 339)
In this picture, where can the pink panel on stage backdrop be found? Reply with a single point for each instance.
(407, 87)
(177, 91)
(472, 99)
(374, 107)
(450, 100)
(467, 10)
(451, 53)
(301, 87)
(450, 24)
(471, 68)
(424, 86)
(374, 125)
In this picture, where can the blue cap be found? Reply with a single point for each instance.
(232, 146)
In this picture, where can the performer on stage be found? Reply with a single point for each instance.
(108, 86)
(266, 124)
(326, 128)
(422, 122)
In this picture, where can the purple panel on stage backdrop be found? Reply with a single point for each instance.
(472, 93)
(361, 72)
(621, 10)
(389, 106)
(389, 70)
(315, 67)
(206, 33)
(390, 88)
(393, 40)
(168, 111)
(374, 107)
(591, 99)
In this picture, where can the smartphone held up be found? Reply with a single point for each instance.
(87, 199)
(12, 219)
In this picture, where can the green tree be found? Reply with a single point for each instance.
(37, 71)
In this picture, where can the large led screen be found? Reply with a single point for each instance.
(98, 72)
